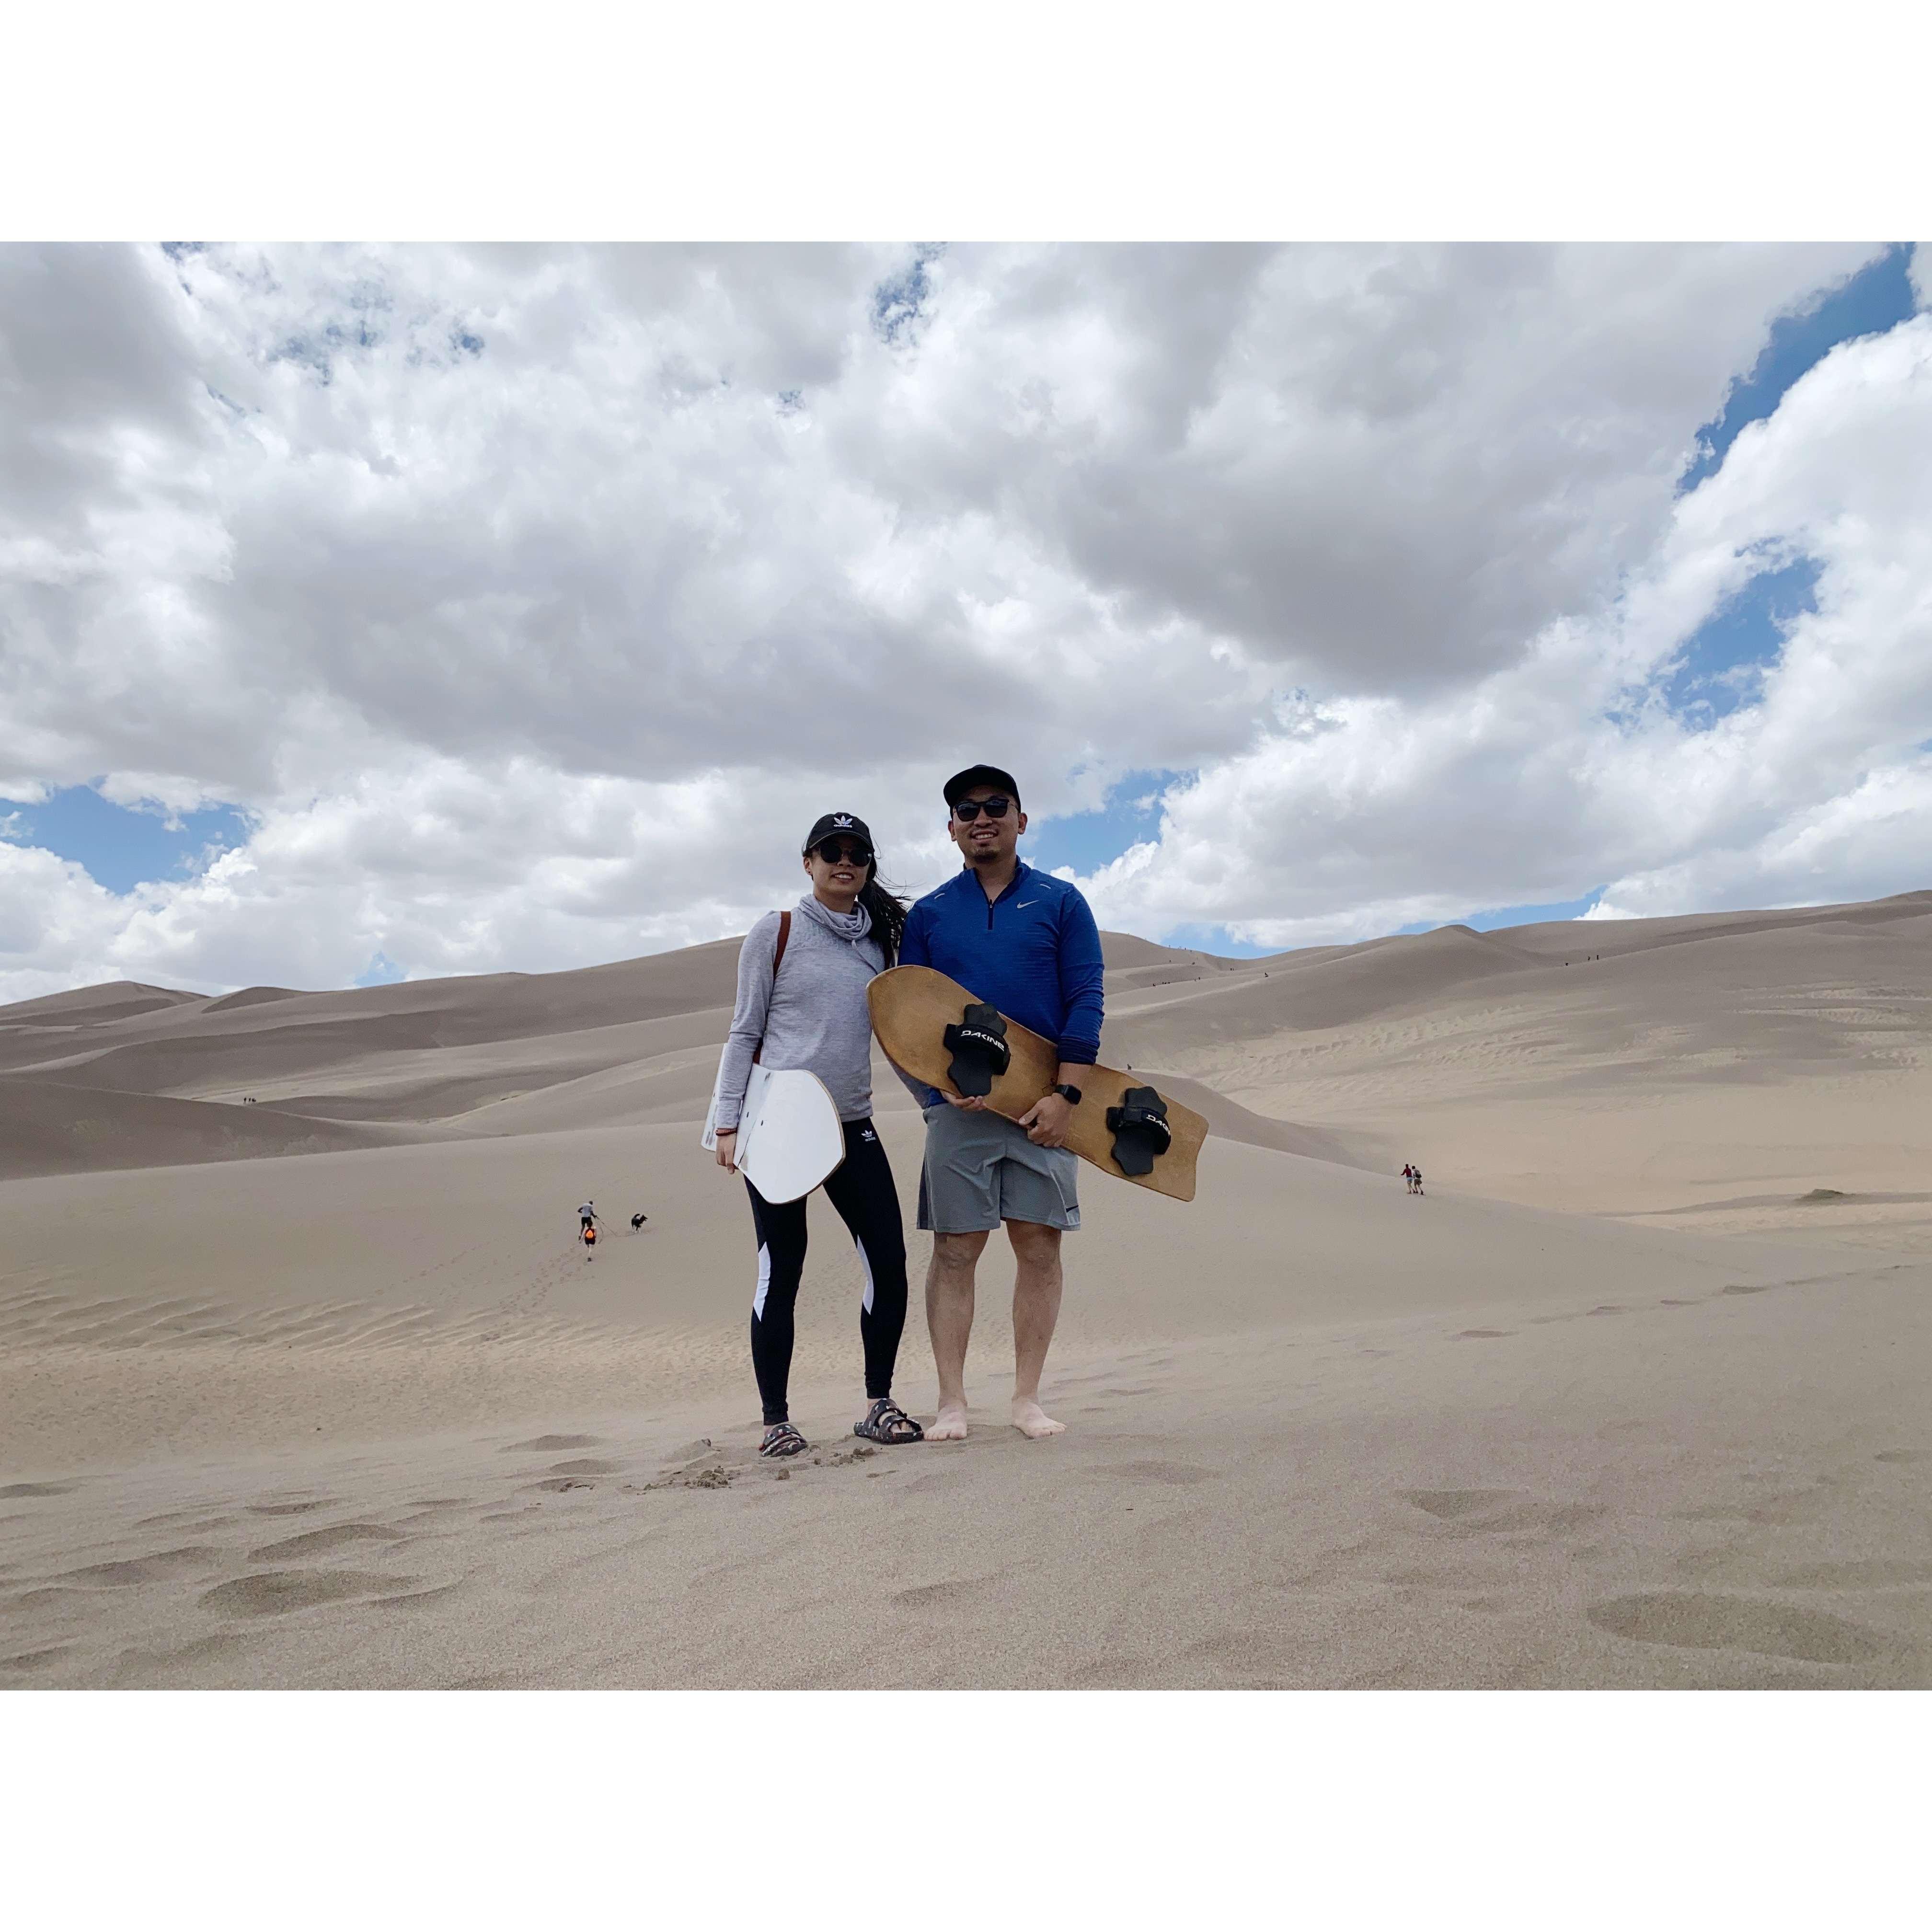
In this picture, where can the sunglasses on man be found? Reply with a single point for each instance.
(835, 850)
(968, 809)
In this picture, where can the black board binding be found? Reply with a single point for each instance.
(1141, 1133)
(980, 1054)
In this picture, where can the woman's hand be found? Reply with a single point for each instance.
(728, 1149)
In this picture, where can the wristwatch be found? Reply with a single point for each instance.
(1071, 1095)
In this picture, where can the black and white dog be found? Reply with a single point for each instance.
(637, 1221)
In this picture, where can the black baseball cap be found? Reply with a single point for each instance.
(961, 783)
(833, 824)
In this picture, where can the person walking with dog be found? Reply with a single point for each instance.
(802, 981)
(1025, 942)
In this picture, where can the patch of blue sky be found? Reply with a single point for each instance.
(381, 971)
(1496, 918)
(899, 301)
(1088, 840)
(121, 846)
(1878, 298)
(1218, 940)
(1720, 666)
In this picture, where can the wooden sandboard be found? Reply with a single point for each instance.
(912, 1006)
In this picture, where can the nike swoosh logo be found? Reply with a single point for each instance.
(1021, 905)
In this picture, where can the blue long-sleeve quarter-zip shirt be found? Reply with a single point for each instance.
(1034, 952)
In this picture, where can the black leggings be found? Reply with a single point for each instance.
(868, 1203)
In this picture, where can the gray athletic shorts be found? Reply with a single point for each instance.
(981, 1170)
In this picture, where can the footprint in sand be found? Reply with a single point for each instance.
(585, 1465)
(163, 1566)
(434, 1593)
(319, 1542)
(1873, 1573)
(1481, 1334)
(37, 1489)
(292, 1509)
(53, 1597)
(1450, 1504)
(559, 1442)
(1173, 1474)
(26, 1660)
(1900, 1456)
(939, 1596)
(275, 1592)
(136, 1666)
(1488, 1512)
(1700, 1622)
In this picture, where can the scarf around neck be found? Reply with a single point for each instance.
(850, 926)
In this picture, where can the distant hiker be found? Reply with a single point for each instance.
(637, 1221)
(587, 1215)
(1415, 1180)
(1408, 1178)
(1026, 943)
(802, 981)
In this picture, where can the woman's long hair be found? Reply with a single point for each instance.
(888, 910)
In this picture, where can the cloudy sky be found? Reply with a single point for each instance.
(371, 612)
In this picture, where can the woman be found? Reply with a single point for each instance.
(807, 1009)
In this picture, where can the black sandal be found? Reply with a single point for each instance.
(782, 1439)
(886, 1422)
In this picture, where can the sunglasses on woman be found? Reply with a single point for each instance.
(968, 809)
(833, 851)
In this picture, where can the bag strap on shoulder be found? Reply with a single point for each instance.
(778, 959)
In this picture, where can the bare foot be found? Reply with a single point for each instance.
(949, 1425)
(1030, 1420)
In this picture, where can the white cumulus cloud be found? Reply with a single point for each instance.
(530, 602)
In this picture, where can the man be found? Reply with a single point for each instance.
(1026, 943)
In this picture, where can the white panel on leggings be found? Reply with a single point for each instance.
(764, 1281)
(867, 1267)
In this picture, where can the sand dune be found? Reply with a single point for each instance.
(320, 1390)
(46, 1127)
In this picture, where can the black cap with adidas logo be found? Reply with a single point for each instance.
(835, 823)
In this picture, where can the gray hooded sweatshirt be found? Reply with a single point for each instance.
(814, 1016)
